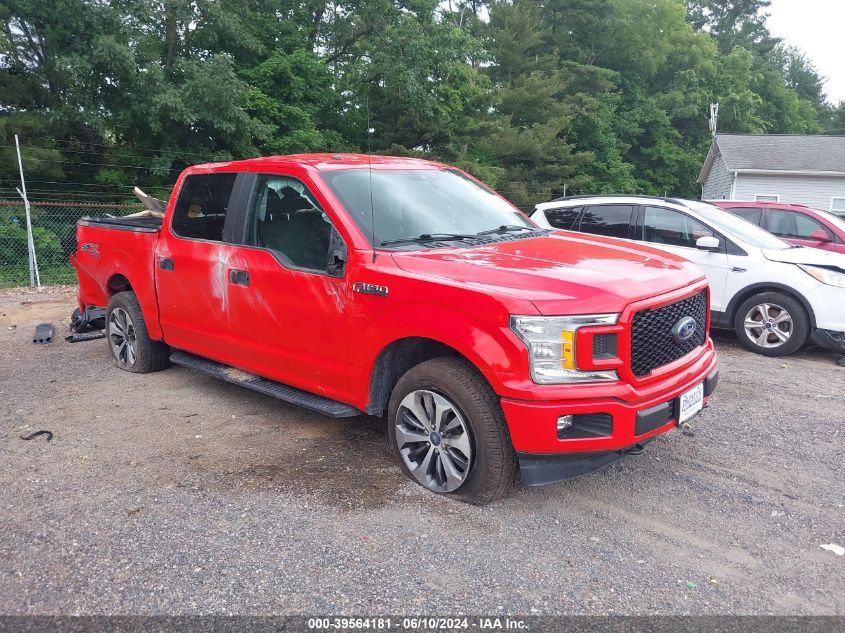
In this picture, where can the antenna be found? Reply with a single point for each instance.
(714, 118)
(370, 166)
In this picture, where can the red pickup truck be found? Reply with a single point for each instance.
(407, 289)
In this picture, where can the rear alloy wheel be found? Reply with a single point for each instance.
(433, 441)
(129, 341)
(772, 324)
(122, 338)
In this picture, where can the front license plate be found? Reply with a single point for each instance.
(690, 403)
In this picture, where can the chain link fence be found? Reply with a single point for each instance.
(54, 234)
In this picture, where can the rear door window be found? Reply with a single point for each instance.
(749, 213)
(200, 211)
(612, 220)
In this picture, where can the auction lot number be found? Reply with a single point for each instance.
(387, 623)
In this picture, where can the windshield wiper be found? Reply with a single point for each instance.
(430, 237)
(507, 228)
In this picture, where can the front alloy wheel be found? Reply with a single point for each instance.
(768, 325)
(433, 440)
(121, 333)
(771, 323)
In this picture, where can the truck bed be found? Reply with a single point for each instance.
(145, 224)
(116, 254)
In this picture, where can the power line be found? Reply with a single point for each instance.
(78, 184)
(74, 151)
(75, 162)
(117, 191)
(138, 149)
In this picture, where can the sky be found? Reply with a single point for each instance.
(815, 27)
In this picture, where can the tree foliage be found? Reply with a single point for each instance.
(536, 97)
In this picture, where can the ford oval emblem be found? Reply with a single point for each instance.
(684, 330)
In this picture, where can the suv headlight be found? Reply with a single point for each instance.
(825, 275)
(551, 346)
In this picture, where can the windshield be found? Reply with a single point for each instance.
(408, 203)
(835, 220)
(736, 226)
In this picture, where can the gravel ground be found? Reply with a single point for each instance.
(174, 493)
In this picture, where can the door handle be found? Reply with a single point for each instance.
(165, 263)
(238, 277)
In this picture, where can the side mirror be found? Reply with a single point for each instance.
(820, 235)
(708, 243)
(337, 255)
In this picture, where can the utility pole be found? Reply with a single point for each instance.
(34, 277)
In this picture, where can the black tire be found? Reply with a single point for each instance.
(799, 327)
(493, 469)
(148, 355)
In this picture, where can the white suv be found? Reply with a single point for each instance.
(773, 294)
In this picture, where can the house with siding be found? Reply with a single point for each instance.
(797, 169)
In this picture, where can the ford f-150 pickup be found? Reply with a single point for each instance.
(407, 289)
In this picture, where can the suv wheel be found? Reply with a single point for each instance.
(772, 324)
(449, 433)
(129, 342)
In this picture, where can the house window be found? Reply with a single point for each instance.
(837, 205)
(767, 197)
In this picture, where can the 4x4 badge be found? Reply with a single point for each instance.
(684, 329)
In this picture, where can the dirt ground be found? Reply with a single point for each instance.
(173, 493)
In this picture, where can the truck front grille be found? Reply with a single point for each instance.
(653, 344)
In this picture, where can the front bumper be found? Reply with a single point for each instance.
(827, 303)
(545, 458)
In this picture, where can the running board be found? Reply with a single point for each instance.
(293, 395)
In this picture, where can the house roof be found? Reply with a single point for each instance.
(778, 153)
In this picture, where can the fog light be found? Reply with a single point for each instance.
(563, 423)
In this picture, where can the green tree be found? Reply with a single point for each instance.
(734, 23)
(531, 138)
(834, 119)
(800, 75)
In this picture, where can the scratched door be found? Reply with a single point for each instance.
(289, 309)
(191, 268)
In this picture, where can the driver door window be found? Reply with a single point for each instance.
(789, 224)
(665, 226)
(286, 219)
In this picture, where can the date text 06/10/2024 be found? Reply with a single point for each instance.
(417, 623)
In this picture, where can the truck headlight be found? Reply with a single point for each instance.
(825, 275)
(551, 346)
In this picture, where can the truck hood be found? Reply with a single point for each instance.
(562, 273)
(807, 256)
